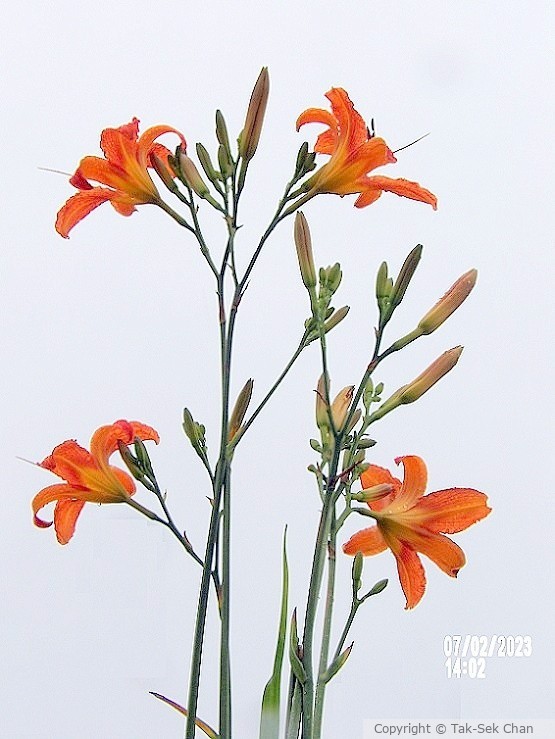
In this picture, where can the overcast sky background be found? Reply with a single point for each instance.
(120, 322)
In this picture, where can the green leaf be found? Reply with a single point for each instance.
(269, 717)
(208, 730)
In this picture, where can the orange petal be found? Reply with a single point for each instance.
(147, 139)
(367, 542)
(58, 492)
(452, 510)
(317, 115)
(375, 475)
(447, 555)
(414, 482)
(66, 514)
(67, 461)
(103, 171)
(104, 441)
(352, 127)
(79, 206)
(411, 575)
(367, 198)
(120, 143)
(403, 188)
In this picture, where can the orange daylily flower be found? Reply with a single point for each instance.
(354, 152)
(124, 171)
(89, 478)
(409, 522)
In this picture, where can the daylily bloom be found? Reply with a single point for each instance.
(123, 171)
(89, 478)
(409, 522)
(354, 152)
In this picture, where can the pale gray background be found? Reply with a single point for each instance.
(119, 322)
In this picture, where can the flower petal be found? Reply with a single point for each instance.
(118, 143)
(367, 542)
(79, 206)
(410, 569)
(66, 514)
(104, 441)
(447, 555)
(147, 139)
(403, 188)
(452, 510)
(58, 492)
(352, 128)
(68, 460)
(414, 483)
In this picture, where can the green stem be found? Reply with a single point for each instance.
(354, 608)
(225, 667)
(326, 630)
(277, 383)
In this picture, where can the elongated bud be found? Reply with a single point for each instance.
(448, 304)
(192, 176)
(383, 288)
(358, 564)
(377, 492)
(195, 433)
(206, 163)
(322, 418)
(405, 275)
(142, 456)
(224, 161)
(241, 405)
(303, 243)
(301, 158)
(221, 132)
(337, 664)
(416, 389)
(336, 318)
(340, 406)
(163, 172)
(250, 135)
(354, 420)
(132, 464)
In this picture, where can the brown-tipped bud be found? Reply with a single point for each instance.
(303, 243)
(448, 304)
(340, 406)
(241, 405)
(416, 389)
(192, 176)
(322, 418)
(250, 135)
(405, 275)
(163, 172)
(337, 664)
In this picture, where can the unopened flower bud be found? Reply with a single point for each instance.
(241, 406)
(303, 243)
(192, 176)
(322, 418)
(250, 135)
(354, 420)
(377, 492)
(383, 285)
(301, 158)
(221, 132)
(416, 389)
(340, 406)
(448, 304)
(206, 163)
(163, 172)
(405, 276)
(336, 318)
(130, 461)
